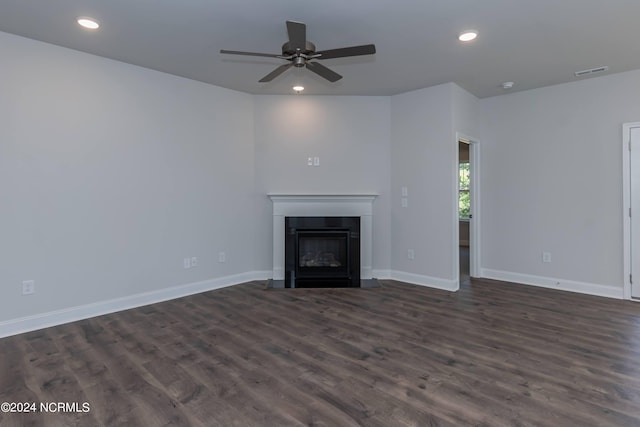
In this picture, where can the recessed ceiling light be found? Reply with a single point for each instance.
(88, 23)
(507, 85)
(298, 88)
(468, 35)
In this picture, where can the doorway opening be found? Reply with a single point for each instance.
(464, 211)
(467, 233)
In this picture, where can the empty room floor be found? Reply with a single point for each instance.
(491, 354)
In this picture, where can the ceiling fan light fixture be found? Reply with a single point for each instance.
(468, 35)
(88, 23)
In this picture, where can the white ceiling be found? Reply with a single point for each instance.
(534, 43)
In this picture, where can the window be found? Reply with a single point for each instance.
(464, 201)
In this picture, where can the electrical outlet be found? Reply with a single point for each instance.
(404, 202)
(187, 262)
(411, 254)
(194, 261)
(222, 257)
(546, 256)
(28, 287)
(405, 191)
(316, 161)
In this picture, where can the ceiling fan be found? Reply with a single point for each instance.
(300, 52)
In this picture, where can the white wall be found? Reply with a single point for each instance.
(424, 159)
(349, 134)
(552, 181)
(467, 115)
(110, 174)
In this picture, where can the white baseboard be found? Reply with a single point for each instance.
(418, 279)
(381, 274)
(552, 283)
(72, 314)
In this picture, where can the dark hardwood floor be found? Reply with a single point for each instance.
(493, 354)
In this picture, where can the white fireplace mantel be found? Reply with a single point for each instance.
(360, 205)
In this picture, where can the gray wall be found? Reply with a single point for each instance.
(552, 181)
(110, 174)
(424, 159)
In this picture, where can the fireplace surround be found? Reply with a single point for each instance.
(322, 252)
(323, 205)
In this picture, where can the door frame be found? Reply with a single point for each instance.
(626, 208)
(474, 222)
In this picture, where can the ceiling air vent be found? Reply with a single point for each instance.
(591, 71)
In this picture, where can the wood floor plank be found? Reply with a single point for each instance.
(394, 362)
(492, 354)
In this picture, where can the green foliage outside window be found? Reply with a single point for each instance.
(464, 200)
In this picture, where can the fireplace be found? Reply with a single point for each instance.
(324, 205)
(322, 252)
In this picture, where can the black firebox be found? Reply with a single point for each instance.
(322, 252)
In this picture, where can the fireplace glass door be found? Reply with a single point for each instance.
(322, 254)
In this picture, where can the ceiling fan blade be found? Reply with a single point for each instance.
(275, 73)
(297, 35)
(323, 71)
(367, 49)
(237, 52)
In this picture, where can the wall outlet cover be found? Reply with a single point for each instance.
(28, 287)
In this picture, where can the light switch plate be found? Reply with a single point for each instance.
(28, 287)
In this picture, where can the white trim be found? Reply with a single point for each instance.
(553, 283)
(476, 211)
(381, 274)
(418, 279)
(360, 205)
(626, 205)
(72, 314)
(455, 181)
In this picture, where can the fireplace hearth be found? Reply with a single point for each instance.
(322, 252)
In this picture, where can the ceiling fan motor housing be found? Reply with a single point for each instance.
(287, 50)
